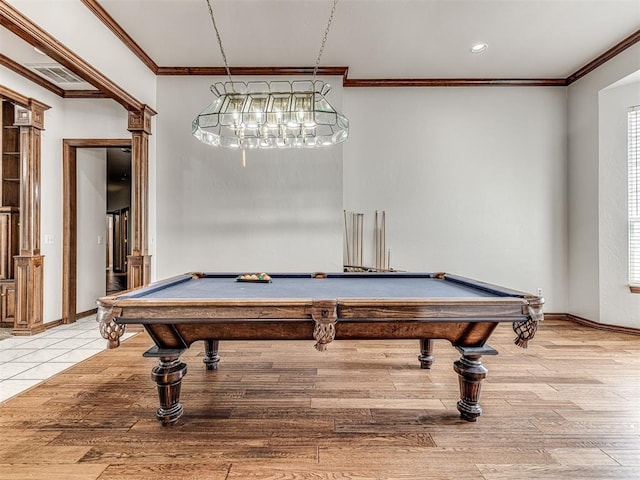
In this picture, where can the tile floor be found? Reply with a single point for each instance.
(27, 361)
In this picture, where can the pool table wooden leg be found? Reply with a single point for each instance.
(471, 372)
(168, 376)
(211, 357)
(426, 353)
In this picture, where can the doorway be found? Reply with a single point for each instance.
(70, 219)
(118, 214)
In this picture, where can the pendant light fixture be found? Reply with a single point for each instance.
(278, 114)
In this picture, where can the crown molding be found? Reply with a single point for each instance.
(253, 71)
(455, 82)
(119, 32)
(617, 49)
(95, 94)
(361, 82)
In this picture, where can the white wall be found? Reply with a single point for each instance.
(472, 181)
(618, 305)
(585, 199)
(283, 212)
(65, 119)
(92, 226)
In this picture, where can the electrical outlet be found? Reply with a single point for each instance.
(48, 239)
(539, 291)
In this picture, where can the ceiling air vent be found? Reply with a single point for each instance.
(56, 73)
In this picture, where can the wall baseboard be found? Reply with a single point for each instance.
(603, 326)
(55, 323)
(592, 324)
(86, 313)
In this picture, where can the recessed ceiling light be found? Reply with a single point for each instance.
(37, 50)
(479, 48)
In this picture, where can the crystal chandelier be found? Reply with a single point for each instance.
(277, 114)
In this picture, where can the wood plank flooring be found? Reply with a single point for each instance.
(566, 408)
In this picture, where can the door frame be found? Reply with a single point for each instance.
(70, 216)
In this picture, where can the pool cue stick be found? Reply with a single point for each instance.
(362, 239)
(346, 237)
(384, 236)
(360, 219)
(354, 235)
(375, 237)
(379, 232)
(353, 239)
(358, 239)
(382, 239)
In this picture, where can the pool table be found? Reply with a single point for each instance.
(321, 307)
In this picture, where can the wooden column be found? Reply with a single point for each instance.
(139, 262)
(29, 263)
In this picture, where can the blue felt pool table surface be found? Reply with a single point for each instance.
(339, 285)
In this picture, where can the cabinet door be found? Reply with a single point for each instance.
(5, 247)
(7, 303)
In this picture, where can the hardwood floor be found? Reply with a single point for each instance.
(566, 408)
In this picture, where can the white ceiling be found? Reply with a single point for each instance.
(384, 38)
(428, 39)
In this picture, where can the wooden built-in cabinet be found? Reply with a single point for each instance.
(9, 210)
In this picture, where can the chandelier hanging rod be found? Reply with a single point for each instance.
(275, 114)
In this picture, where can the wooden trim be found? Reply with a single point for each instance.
(70, 217)
(605, 57)
(257, 71)
(556, 316)
(634, 288)
(96, 142)
(86, 313)
(590, 323)
(15, 22)
(95, 94)
(29, 75)
(55, 323)
(69, 232)
(119, 32)
(363, 82)
(14, 96)
(454, 82)
(603, 326)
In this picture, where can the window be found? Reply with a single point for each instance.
(634, 198)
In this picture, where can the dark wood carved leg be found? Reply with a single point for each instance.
(168, 376)
(211, 357)
(471, 372)
(426, 353)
